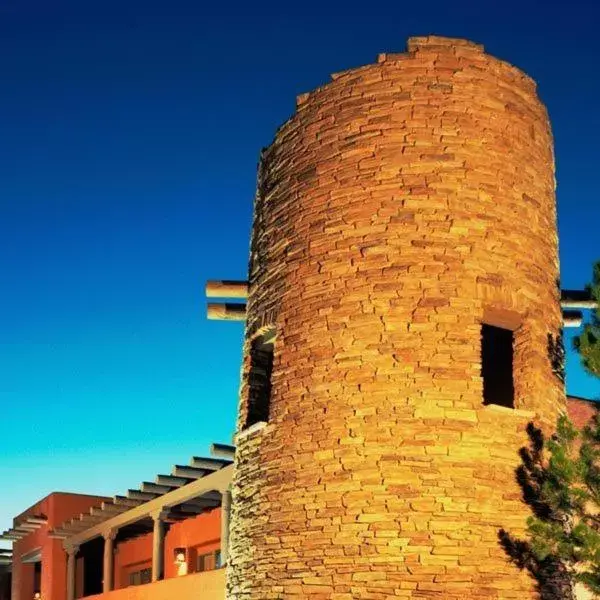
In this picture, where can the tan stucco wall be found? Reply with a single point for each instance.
(200, 586)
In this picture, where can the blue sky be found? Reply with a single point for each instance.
(129, 137)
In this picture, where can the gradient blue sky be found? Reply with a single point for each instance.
(129, 137)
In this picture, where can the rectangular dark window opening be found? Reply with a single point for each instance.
(259, 378)
(208, 562)
(37, 577)
(140, 577)
(497, 366)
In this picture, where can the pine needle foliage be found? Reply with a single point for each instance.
(560, 479)
(588, 342)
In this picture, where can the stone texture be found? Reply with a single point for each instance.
(402, 205)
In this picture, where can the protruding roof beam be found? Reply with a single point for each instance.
(34, 522)
(11, 535)
(172, 481)
(127, 502)
(76, 527)
(83, 522)
(28, 526)
(108, 510)
(210, 464)
(71, 523)
(572, 318)
(190, 472)
(94, 518)
(207, 501)
(225, 311)
(108, 506)
(22, 531)
(222, 451)
(212, 496)
(577, 299)
(226, 289)
(41, 519)
(153, 488)
(139, 495)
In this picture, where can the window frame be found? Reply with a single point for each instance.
(140, 577)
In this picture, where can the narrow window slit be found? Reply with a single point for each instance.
(497, 366)
(259, 378)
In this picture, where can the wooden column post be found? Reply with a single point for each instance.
(225, 518)
(158, 545)
(71, 555)
(108, 565)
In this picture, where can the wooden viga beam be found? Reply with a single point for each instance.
(226, 311)
(572, 318)
(226, 289)
(570, 299)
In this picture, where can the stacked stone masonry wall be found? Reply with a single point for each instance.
(404, 203)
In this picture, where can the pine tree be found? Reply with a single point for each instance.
(588, 343)
(569, 532)
(560, 479)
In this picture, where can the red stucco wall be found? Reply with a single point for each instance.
(57, 507)
(201, 586)
(199, 535)
(580, 410)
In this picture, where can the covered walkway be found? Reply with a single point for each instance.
(92, 539)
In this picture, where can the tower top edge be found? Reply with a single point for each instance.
(427, 41)
(460, 47)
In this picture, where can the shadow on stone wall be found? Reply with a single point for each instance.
(552, 579)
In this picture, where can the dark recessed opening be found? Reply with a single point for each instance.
(37, 577)
(93, 552)
(497, 366)
(259, 378)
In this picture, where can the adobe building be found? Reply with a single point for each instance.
(39, 561)
(167, 539)
(403, 326)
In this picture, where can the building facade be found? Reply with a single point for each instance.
(39, 561)
(167, 539)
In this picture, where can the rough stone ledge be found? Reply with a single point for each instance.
(257, 427)
(514, 412)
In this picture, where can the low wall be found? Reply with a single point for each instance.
(209, 585)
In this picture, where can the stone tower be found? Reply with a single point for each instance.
(402, 296)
